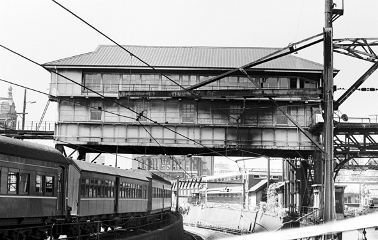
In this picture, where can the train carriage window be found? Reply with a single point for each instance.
(120, 192)
(124, 190)
(111, 188)
(87, 184)
(132, 190)
(82, 187)
(39, 184)
(106, 188)
(12, 182)
(24, 183)
(100, 193)
(49, 185)
(91, 188)
(127, 195)
(95, 183)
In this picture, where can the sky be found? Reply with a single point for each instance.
(43, 31)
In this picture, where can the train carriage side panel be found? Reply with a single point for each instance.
(98, 194)
(167, 202)
(97, 188)
(133, 194)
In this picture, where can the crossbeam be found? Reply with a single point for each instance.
(291, 48)
(360, 48)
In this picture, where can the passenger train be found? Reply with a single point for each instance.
(43, 193)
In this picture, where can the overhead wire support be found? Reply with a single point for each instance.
(360, 48)
(291, 48)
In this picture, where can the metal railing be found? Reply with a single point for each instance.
(36, 126)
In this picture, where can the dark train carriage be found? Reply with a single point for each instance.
(100, 191)
(161, 194)
(92, 189)
(32, 180)
(132, 192)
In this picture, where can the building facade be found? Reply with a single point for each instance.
(110, 101)
(8, 115)
(183, 167)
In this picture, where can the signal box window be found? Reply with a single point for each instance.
(93, 81)
(188, 112)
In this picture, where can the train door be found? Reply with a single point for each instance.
(149, 195)
(61, 190)
(73, 189)
(116, 194)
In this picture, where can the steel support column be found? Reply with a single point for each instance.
(329, 202)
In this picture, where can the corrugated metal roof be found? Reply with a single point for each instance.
(258, 186)
(97, 168)
(184, 57)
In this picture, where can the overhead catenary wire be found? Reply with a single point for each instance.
(103, 152)
(189, 90)
(74, 102)
(132, 54)
(116, 102)
(95, 108)
(241, 69)
(120, 115)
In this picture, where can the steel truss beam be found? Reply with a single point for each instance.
(353, 141)
(360, 48)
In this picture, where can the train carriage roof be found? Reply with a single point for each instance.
(25, 149)
(159, 178)
(154, 176)
(97, 168)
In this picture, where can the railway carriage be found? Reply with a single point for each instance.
(43, 193)
(161, 194)
(32, 189)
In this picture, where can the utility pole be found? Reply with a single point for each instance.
(328, 184)
(23, 111)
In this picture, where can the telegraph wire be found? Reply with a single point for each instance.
(120, 115)
(104, 152)
(68, 100)
(130, 53)
(162, 147)
(112, 101)
(115, 155)
(76, 103)
(144, 62)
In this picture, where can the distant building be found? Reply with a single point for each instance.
(8, 115)
(176, 166)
